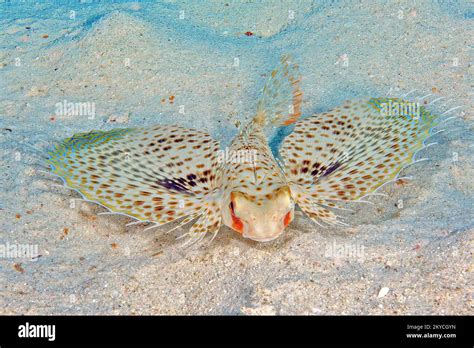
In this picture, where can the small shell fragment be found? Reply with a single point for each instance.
(383, 291)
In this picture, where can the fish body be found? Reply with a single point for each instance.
(162, 173)
(256, 198)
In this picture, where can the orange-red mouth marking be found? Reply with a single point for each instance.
(287, 219)
(237, 224)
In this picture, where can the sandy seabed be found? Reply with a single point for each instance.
(202, 66)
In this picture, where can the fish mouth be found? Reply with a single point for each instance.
(263, 239)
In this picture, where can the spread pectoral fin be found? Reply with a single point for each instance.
(158, 174)
(349, 152)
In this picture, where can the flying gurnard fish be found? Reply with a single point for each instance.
(163, 173)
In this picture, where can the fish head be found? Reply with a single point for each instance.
(260, 218)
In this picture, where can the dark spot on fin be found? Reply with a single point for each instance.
(331, 168)
(172, 185)
(324, 172)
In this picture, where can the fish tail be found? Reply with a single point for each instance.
(280, 104)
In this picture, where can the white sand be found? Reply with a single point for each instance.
(135, 56)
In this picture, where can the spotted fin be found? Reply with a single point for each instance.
(349, 152)
(158, 174)
(280, 104)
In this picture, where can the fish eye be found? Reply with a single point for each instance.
(231, 206)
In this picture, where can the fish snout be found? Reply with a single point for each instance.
(264, 232)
